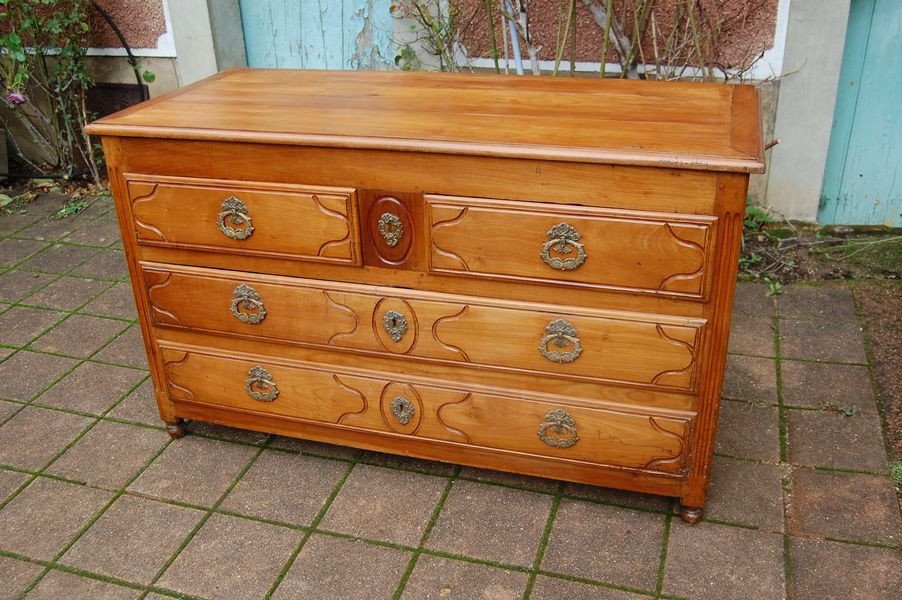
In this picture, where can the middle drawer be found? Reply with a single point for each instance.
(647, 350)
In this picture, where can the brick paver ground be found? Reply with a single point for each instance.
(97, 502)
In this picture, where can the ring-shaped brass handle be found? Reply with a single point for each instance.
(560, 333)
(233, 220)
(247, 306)
(561, 424)
(563, 239)
(260, 385)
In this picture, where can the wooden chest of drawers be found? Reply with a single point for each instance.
(524, 274)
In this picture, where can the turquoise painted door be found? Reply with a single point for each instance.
(863, 176)
(318, 34)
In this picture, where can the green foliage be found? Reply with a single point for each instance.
(438, 28)
(781, 233)
(751, 261)
(407, 59)
(44, 81)
(15, 204)
(895, 471)
(774, 287)
(756, 218)
(71, 208)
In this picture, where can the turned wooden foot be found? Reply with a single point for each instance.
(691, 515)
(176, 430)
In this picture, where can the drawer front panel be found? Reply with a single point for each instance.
(635, 251)
(648, 350)
(257, 219)
(377, 402)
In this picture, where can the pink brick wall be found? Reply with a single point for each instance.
(141, 21)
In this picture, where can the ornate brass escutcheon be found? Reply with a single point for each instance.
(391, 228)
(560, 333)
(395, 325)
(246, 305)
(564, 239)
(559, 423)
(260, 385)
(403, 409)
(233, 220)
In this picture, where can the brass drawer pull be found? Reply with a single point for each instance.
(403, 409)
(260, 386)
(391, 228)
(564, 239)
(395, 325)
(233, 219)
(560, 333)
(247, 298)
(561, 425)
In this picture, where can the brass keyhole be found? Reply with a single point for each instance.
(391, 228)
(395, 325)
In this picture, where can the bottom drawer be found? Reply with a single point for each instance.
(434, 410)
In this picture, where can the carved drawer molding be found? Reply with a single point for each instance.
(529, 274)
(440, 411)
(636, 251)
(308, 223)
(655, 351)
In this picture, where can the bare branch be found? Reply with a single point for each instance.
(620, 41)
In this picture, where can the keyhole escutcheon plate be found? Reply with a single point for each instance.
(395, 325)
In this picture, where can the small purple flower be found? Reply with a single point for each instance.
(16, 98)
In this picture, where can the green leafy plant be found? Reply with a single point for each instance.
(15, 204)
(44, 83)
(895, 471)
(437, 32)
(848, 411)
(71, 208)
(750, 261)
(756, 218)
(774, 287)
(407, 59)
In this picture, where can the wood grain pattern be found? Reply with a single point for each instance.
(634, 251)
(609, 186)
(441, 410)
(731, 192)
(407, 253)
(626, 348)
(113, 153)
(537, 465)
(584, 120)
(580, 391)
(290, 221)
(503, 361)
(438, 283)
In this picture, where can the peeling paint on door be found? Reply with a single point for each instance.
(863, 175)
(318, 34)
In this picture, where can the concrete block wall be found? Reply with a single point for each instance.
(804, 111)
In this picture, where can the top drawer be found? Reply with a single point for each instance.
(310, 223)
(665, 254)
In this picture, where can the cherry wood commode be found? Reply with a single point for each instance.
(525, 274)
